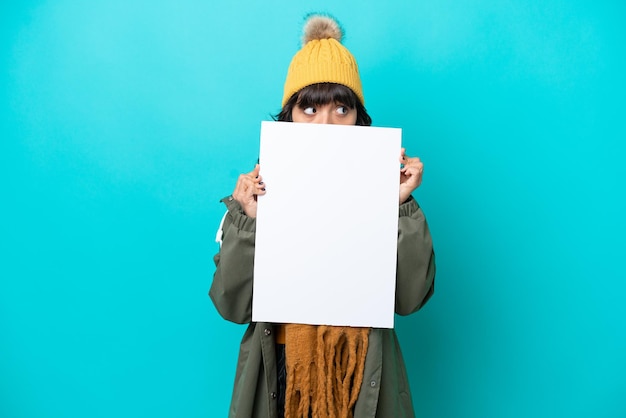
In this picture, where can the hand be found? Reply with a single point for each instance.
(248, 187)
(410, 175)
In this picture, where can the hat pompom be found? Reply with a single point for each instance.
(321, 27)
(323, 61)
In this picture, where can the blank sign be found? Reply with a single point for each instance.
(327, 228)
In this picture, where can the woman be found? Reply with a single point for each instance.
(320, 371)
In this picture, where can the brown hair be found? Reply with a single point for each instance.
(321, 94)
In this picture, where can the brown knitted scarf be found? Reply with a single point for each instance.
(324, 370)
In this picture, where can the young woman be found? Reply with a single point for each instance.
(300, 371)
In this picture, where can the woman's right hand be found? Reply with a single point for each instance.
(248, 187)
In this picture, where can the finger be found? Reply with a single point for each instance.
(244, 187)
(412, 173)
(412, 160)
(248, 186)
(411, 184)
(255, 173)
(416, 169)
(412, 164)
(250, 179)
(241, 183)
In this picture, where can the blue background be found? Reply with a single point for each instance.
(123, 123)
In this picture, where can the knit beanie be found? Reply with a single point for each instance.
(322, 59)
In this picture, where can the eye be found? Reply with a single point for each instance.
(342, 110)
(309, 110)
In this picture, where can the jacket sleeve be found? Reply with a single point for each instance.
(415, 275)
(231, 290)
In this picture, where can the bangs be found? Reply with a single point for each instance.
(324, 93)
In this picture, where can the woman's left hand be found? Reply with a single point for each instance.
(410, 175)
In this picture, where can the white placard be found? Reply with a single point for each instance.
(327, 229)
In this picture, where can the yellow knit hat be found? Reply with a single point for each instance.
(322, 59)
